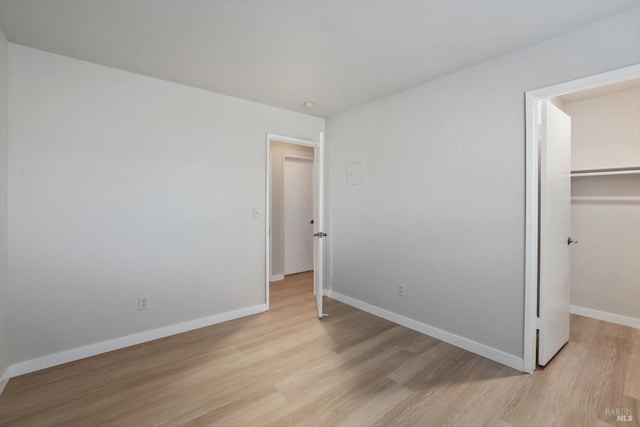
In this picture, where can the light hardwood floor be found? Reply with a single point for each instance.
(286, 367)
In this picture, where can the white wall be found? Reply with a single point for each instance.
(278, 150)
(444, 210)
(557, 101)
(607, 130)
(605, 272)
(604, 265)
(122, 186)
(4, 353)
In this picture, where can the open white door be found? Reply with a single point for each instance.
(319, 234)
(555, 228)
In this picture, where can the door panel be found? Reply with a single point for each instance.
(555, 228)
(298, 213)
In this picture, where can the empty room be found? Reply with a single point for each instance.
(318, 213)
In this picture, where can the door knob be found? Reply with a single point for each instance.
(570, 241)
(312, 222)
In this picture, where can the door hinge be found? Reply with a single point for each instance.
(320, 234)
(538, 323)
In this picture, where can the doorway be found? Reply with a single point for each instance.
(548, 202)
(295, 212)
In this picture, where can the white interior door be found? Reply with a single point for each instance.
(319, 234)
(298, 214)
(555, 228)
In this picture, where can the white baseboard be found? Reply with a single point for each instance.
(276, 277)
(606, 316)
(464, 343)
(44, 362)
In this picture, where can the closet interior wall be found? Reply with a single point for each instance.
(605, 208)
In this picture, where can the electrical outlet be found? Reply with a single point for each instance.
(256, 213)
(143, 303)
(401, 289)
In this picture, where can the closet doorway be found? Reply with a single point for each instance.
(583, 208)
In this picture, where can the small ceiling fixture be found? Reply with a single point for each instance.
(308, 104)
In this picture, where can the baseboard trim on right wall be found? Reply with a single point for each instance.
(453, 339)
(606, 316)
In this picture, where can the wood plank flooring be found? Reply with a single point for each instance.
(286, 367)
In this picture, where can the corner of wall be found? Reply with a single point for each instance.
(4, 379)
(4, 368)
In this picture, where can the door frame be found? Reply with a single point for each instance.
(284, 204)
(532, 160)
(267, 211)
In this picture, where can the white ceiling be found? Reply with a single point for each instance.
(339, 54)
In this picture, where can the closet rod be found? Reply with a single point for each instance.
(606, 171)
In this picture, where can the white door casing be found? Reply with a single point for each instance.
(298, 213)
(555, 229)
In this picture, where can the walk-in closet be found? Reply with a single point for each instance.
(605, 201)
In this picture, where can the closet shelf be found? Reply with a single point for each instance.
(606, 171)
(605, 199)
